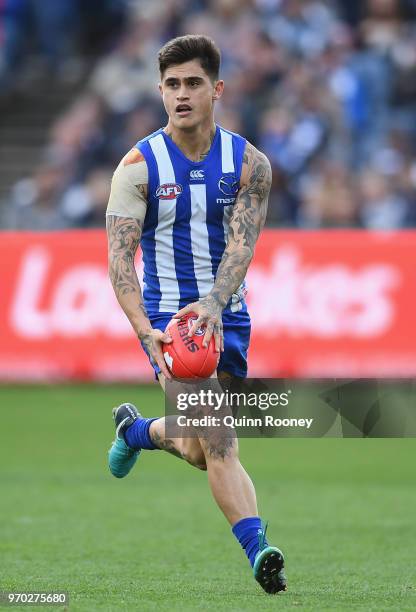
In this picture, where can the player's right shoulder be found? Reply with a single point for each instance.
(132, 168)
(129, 186)
(134, 156)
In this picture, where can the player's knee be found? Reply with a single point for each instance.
(197, 459)
(193, 453)
(220, 449)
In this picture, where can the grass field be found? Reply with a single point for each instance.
(343, 511)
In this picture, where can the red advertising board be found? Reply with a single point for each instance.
(323, 304)
(334, 303)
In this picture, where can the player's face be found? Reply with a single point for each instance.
(189, 94)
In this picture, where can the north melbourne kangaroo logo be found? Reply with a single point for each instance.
(228, 185)
(196, 175)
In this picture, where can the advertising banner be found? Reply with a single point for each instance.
(323, 304)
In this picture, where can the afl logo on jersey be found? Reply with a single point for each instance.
(228, 185)
(168, 191)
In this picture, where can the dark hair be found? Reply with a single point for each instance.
(186, 48)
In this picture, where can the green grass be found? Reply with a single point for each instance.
(342, 511)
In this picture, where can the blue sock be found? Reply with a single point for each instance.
(137, 435)
(247, 533)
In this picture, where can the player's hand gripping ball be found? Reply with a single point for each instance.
(186, 357)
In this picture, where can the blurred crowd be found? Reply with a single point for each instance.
(326, 88)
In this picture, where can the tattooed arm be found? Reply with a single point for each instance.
(249, 215)
(124, 233)
(247, 220)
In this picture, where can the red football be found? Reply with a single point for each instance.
(186, 357)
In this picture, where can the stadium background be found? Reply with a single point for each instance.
(327, 90)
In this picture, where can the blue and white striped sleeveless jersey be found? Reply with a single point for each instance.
(186, 224)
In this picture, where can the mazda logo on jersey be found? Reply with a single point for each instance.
(168, 191)
(228, 185)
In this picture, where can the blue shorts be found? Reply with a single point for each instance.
(236, 326)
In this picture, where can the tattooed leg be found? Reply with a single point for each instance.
(187, 448)
(230, 484)
(211, 449)
(214, 449)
